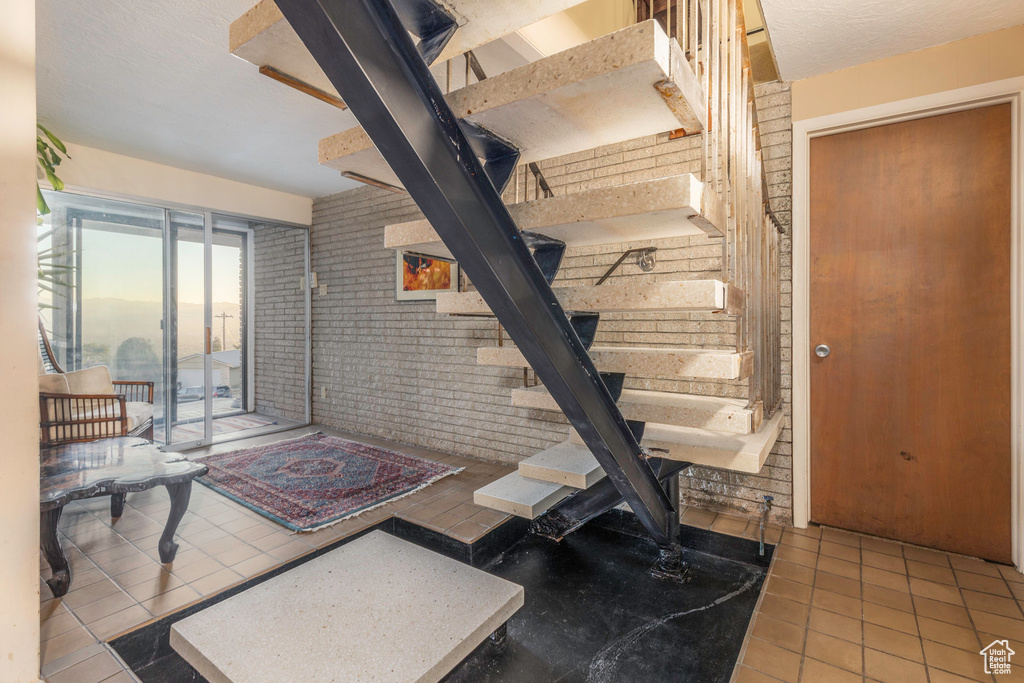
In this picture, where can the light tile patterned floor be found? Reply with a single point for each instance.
(839, 606)
(119, 584)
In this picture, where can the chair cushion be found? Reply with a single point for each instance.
(56, 409)
(95, 380)
(53, 384)
(139, 413)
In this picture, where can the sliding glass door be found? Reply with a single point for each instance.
(187, 329)
(172, 296)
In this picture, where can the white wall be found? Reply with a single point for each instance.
(979, 59)
(103, 172)
(19, 412)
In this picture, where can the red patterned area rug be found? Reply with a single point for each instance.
(317, 480)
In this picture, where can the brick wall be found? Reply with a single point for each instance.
(279, 321)
(403, 372)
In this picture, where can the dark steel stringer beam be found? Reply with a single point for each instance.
(370, 58)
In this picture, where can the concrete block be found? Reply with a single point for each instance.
(376, 609)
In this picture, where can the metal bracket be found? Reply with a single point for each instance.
(500, 156)
(430, 22)
(645, 261)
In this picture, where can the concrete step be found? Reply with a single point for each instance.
(675, 206)
(642, 362)
(565, 464)
(681, 410)
(326, 620)
(709, 296)
(517, 495)
(627, 84)
(722, 450)
(262, 37)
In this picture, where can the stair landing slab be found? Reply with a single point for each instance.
(263, 37)
(561, 104)
(345, 615)
(620, 297)
(566, 464)
(722, 450)
(642, 362)
(521, 496)
(662, 407)
(674, 206)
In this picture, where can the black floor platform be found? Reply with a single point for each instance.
(594, 612)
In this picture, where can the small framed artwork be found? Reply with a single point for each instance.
(420, 277)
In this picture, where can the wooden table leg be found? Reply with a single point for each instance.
(180, 494)
(61, 579)
(116, 505)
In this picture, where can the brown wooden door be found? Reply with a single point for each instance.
(910, 288)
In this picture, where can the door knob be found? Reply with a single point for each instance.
(822, 350)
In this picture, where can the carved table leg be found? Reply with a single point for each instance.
(61, 579)
(116, 505)
(180, 494)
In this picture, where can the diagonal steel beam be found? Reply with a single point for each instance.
(370, 58)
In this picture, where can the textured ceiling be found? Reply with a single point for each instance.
(155, 80)
(819, 36)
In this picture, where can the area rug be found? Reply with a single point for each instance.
(221, 425)
(317, 480)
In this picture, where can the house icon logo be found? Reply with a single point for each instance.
(997, 657)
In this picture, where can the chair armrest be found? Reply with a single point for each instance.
(69, 418)
(135, 390)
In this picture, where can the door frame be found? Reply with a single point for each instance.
(998, 92)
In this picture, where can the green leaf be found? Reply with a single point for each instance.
(41, 205)
(57, 183)
(45, 164)
(54, 139)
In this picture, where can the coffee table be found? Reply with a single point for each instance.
(109, 467)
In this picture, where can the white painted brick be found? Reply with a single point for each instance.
(402, 372)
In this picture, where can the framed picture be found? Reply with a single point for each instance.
(419, 277)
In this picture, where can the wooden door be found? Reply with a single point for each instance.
(910, 289)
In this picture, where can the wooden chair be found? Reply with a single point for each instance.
(87, 405)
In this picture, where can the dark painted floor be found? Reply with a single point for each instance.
(595, 613)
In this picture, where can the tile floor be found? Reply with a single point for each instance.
(836, 607)
(119, 584)
(839, 606)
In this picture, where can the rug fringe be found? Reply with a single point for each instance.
(355, 514)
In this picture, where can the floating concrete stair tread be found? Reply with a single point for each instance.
(517, 495)
(663, 407)
(723, 450)
(378, 608)
(675, 206)
(565, 464)
(642, 362)
(568, 102)
(262, 37)
(618, 297)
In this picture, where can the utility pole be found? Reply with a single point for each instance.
(223, 329)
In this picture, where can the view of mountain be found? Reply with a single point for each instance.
(108, 322)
